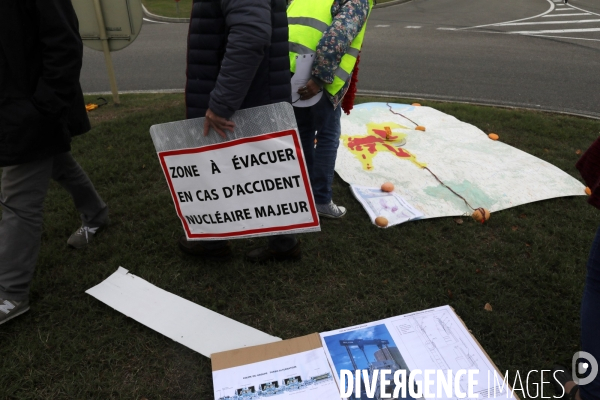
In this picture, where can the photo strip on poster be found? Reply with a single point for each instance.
(301, 376)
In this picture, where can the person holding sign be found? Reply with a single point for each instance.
(41, 108)
(330, 35)
(237, 58)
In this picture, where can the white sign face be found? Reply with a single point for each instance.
(252, 186)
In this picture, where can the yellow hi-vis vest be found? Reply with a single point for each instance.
(307, 20)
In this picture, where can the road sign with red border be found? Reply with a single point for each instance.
(252, 186)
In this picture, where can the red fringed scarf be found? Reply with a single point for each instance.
(348, 100)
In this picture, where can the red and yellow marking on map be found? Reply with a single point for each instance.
(378, 138)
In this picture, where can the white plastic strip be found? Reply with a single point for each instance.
(193, 326)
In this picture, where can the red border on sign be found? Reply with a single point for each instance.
(235, 142)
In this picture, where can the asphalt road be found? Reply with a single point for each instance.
(537, 54)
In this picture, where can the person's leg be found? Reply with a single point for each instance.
(306, 130)
(280, 248)
(282, 243)
(22, 194)
(213, 249)
(69, 174)
(590, 317)
(328, 140)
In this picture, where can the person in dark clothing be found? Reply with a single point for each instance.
(237, 58)
(41, 108)
(588, 387)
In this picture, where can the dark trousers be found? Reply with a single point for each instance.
(323, 119)
(590, 317)
(276, 242)
(22, 194)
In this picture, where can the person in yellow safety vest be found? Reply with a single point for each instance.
(333, 31)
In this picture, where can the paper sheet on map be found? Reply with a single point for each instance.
(385, 204)
(434, 339)
(487, 173)
(194, 326)
(302, 376)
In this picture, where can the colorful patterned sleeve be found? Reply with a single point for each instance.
(348, 20)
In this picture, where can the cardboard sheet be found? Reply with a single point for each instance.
(194, 326)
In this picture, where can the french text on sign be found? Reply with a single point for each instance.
(245, 187)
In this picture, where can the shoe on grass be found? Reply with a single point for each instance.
(331, 210)
(198, 249)
(83, 236)
(264, 254)
(12, 308)
(560, 376)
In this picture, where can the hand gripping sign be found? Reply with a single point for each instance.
(254, 183)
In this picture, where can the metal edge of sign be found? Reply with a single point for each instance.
(253, 121)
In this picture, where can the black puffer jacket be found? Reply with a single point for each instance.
(41, 104)
(237, 56)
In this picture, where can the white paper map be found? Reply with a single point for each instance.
(487, 173)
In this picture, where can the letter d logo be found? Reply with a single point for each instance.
(589, 367)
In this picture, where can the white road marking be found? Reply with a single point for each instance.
(555, 10)
(564, 15)
(562, 37)
(517, 20)
(412, 27)
(554, 31)
(137, 92)
(581, 21)
(581, 9)
(382, 26)
(154, 22)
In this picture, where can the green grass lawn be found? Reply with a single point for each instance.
(168, 8)
(528, 262)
